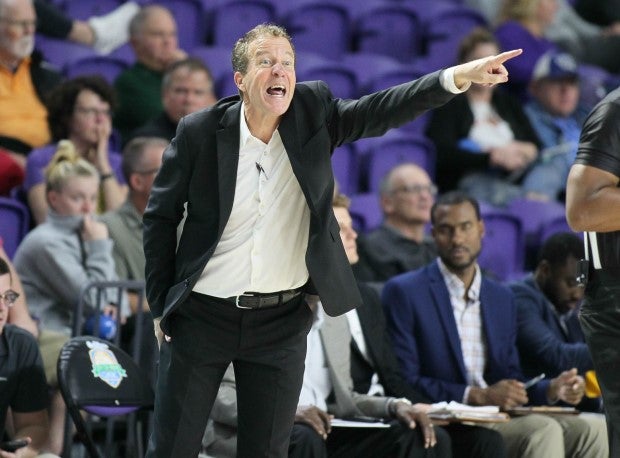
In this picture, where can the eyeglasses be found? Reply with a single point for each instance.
(93, 112)
(9, 297)
(25, 24)
(417, 189)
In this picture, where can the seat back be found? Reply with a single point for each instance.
(344, 168)
(190, 17)
(365, 212)
(319, 26)
(503, 245)
(97, 377)
(106, 66)
(14, 223)
(387, 28)
(229, 20)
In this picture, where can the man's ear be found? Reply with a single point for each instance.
(238, 77)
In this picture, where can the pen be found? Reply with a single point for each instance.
(533, 381)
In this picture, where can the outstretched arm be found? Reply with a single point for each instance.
(488, 70)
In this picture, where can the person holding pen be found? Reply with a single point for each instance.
(454, 333)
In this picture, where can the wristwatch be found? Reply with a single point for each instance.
(394, 401)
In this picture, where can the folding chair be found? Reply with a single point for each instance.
(97, 377)
(93, 298)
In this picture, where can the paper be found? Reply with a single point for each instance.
(339, 423)
(454, 411)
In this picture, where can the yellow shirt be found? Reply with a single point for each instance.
(22, 115)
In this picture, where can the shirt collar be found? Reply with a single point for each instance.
(244, 131)
(456, 286)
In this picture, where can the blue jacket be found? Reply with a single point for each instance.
(426, 340)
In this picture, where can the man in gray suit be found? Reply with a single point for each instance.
(255, 173)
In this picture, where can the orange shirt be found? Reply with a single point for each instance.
(22, 115)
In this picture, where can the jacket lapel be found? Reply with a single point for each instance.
(443, 305)
(228, 161)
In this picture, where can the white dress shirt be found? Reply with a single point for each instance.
(264, 242)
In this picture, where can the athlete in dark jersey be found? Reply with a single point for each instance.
(593, 206)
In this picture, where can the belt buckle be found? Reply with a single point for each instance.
(241, 306)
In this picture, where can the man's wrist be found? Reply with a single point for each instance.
(393, 405)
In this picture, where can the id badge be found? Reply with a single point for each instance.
(583, 268)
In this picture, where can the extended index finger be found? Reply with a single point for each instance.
(503, 57)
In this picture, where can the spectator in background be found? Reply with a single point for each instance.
(484, 140)
(556, 116)
(23, 393)
(525, 22)
(18, 313)
(153, 37)
(400, 244)
(57, 258)
(454, 334)
(80, 110)
(25, 80)
(141, 161)
(549, 337)
(187, 86)
(104, 33)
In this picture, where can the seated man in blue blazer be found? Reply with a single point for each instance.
(454, 333)
(549, 337)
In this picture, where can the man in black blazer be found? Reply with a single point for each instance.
(254, 172)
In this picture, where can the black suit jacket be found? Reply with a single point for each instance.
(200, 167)
(381, 353)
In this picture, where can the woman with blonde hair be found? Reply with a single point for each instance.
(60, 256)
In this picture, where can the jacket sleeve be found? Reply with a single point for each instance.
(161, 218)
(535, 338)
(401, 324)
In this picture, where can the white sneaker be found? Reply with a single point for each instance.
(112, 29)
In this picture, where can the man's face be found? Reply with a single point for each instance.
(560, 286)
(5, 285)
(411, 196)
(347, 233)
(187, 92)
(91, 120)
(269, 81)
(142, 179)
(157, 43)
(558, 97)
(17, 27)
(458, 235)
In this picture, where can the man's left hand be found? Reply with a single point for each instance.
(413, 416)
(488, 70)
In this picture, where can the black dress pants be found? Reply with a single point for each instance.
(600, 320)
(267, 348)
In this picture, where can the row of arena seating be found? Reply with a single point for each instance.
(405, 30)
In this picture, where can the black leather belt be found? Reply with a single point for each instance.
(262, 300)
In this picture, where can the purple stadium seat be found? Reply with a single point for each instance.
(387, 28)
(190, 17)
(344, 171)
(341, 80)
(14, 223)
(365, 211)
(230, 19)
(61, 52)
(555, 225)
(106, 66)
(218, 59)
(445, 24)
(379, 155)
(368, 66)
(318, 26)
(503, 245)
(535, 214)
(81, 9)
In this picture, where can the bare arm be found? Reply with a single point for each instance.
(34, 425)
(37, 202)
(592, 199)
